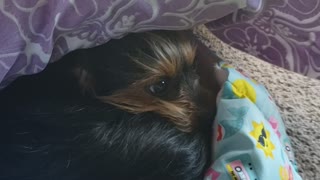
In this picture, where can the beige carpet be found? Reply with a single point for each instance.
(298, 98)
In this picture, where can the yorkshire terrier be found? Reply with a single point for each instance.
(144, 114)
(147, 72)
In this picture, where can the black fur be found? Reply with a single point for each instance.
(50, 131)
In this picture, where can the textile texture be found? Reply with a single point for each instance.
(35, 32)
(250, 141)
(297, 96)
(285, 33)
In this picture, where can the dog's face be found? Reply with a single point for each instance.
(147, 72)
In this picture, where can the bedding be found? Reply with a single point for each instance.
(250, 140)
(297, 96)
(285, 33)
(36, 32)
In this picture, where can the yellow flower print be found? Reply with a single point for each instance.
(262, 136)
(242, 89)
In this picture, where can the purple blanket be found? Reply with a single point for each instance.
(36, 32)
(286, 33)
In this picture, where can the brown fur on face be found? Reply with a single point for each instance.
(149, 58)
(136, 100)
(169, 57)
(168, 60)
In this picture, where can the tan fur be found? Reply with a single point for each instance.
(169, 56)
(168, 60)
(179, 111)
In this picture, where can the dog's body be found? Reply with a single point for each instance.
(126, 126)
(53, 133)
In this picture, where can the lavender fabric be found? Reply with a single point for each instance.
(36, 32)
(285, 33)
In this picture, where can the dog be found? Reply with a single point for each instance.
(132, 108)
(147, 72)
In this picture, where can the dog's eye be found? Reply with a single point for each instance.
(159, 88)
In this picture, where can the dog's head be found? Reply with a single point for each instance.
(147, 72)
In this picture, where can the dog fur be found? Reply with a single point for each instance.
(118, 130)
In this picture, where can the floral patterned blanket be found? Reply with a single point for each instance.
(286, 33)
(36, 32)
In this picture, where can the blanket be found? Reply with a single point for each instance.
(36, 32)
(298, 98)
(250, 141)
(285, 33)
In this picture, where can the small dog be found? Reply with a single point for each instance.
(146, 120)
(147, 72)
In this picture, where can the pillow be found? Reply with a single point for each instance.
(250, 139)
(34, 33)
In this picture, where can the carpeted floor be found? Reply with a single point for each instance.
(298, 98)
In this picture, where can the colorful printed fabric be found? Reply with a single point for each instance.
(250, 141)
